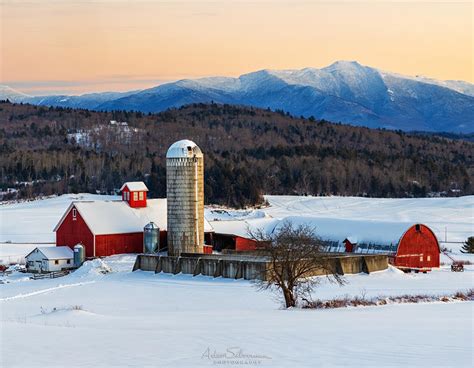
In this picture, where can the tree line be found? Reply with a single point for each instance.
(248, 152)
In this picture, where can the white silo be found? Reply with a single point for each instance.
(185, 193)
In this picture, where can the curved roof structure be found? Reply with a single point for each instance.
(184, 149)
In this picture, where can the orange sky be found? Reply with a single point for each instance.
(52, 46)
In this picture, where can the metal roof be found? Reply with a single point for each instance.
(184, 149)
(61, 252)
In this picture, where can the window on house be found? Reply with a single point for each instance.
(56, 261)
(74, 213)
(421, 258)
(135, 196)
(428, 258)
(141, 196)
(68, 261)
(417, 227)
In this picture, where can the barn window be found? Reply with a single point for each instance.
(417, 227)
(428, 258)
(74, 214)
(141, 196)
(127, 196)
(135, 196)
(56, 261)
(421, 258)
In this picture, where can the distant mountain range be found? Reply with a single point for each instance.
(345, 91)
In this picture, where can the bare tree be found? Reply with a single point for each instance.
(296, 256)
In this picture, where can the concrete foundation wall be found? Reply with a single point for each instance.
(247, 267)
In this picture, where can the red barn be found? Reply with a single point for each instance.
(418, 249)
(409, 246)
(113, 227)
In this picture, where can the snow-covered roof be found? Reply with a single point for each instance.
(61, 252)
(356, 231)
(183, 149)
(245, 228)
(351, 239)
(117, 217)
(362, 231)
(135, 186)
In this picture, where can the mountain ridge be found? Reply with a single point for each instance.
(344, 91)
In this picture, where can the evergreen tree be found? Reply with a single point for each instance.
(468, 246)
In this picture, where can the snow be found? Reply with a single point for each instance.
(56, 252)
(117, 217)
(183, 149)
(34, 221)
(121, 318)
(135, 186)
(245, 227)
(368, 232)
(453, 217)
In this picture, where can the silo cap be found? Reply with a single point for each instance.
(151, 226)
(184, 149)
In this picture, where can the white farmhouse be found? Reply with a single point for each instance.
(49, 259)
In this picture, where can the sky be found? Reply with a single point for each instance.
(74, 47)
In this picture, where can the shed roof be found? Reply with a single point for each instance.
(135, 186)
(117, 217)
(61, 252)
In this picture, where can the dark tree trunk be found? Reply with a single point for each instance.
(289, 298)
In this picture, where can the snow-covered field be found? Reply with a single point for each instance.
(142, 319)
(145, 319)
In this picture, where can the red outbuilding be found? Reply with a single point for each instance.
(410, 247)
(418, 249)
(134, 192)
(116, 226)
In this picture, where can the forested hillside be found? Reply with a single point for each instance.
(248, 152)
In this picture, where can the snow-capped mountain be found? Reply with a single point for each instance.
(345, 92)
(7, 93)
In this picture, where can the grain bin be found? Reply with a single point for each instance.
(185, 193)
(79, 255)
(151, 238)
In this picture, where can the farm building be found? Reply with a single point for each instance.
(237, 234)
(410, 246)
(49, 259)
(113, 227)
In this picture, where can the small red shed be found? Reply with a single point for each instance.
(350, 244)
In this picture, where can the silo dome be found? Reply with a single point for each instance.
(185, 198)
(184, 149)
